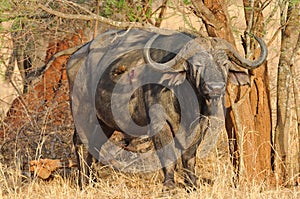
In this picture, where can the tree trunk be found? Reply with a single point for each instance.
(290, 35)
(248, 119)
(259, 100)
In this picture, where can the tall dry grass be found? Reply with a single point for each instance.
(215, 181)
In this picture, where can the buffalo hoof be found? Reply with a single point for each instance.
(188, 186)
(169, 185)
(190, 189)
(206, 181)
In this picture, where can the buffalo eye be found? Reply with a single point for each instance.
(226, 65)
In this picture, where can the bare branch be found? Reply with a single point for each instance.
(249, 11)
(163, 8)
(80, 7)
(93, 16)
(97, 22)
(265, 4)
(105, 20)
(205, 14)
(41, 70)
(88, 17)
(275, 35)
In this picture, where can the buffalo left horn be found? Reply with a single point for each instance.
(237, 58)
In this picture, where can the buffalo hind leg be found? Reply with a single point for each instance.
(85, 159)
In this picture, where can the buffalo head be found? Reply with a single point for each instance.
(207, 63)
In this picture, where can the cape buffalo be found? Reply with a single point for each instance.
(165, 85)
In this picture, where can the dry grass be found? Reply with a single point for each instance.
(114, 184)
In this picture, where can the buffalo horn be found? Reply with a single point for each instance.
(174, 64)
(241, 61)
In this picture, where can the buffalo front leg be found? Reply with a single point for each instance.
(165, 149)
(199, 132)
(188, 163)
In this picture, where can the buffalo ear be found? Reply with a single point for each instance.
(173, 78)
(239, 78)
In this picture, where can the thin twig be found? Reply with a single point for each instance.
(249, 28)
(80, 7)
(275, 35)
(265, 4)
(92, 16)
(105, 20)
(97, 22)
(162, 13)
(120, 35)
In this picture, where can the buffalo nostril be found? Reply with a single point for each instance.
(214, 88)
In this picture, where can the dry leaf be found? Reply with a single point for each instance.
(44, 167)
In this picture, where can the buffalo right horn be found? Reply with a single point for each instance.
(185, 52)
